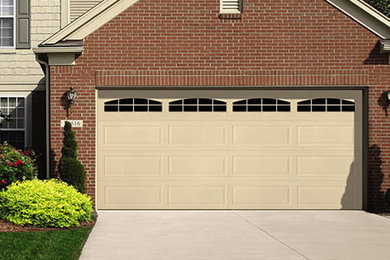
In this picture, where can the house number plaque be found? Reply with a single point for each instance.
(74, 123)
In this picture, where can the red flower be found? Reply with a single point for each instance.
(18, 162)
(10, 164)
(3, 181)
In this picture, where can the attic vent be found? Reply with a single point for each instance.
(230, 6)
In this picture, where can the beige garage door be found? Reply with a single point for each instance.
(229, 149)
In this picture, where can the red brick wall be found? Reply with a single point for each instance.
(183, 42)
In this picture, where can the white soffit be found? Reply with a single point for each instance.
(365, 15)
(90, 21)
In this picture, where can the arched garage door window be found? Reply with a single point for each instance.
(326, 105)
(261, 105)
(133, 105)
(197, 105)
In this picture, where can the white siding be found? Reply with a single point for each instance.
(20, 66)
(78, 7)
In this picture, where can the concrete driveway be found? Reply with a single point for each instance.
(238, 235)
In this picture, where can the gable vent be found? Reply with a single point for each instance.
(230, 6)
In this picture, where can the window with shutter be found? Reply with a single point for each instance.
(15, 24)
(7, 23)
(230, 6)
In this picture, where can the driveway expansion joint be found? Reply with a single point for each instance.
(269, 234)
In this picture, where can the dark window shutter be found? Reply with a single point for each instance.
(23, 38)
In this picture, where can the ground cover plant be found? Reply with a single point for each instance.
(58, 244)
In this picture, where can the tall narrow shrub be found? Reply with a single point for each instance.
(70, 168)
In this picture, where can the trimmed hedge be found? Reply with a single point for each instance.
(70, 168)
(48, 203)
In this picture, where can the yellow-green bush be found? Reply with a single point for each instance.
(48, 203)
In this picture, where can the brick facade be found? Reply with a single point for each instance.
(187, 43)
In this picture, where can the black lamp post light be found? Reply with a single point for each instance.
(71, 95)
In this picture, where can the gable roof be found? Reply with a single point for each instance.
(89, 22)
(366, 15)
(80, 28)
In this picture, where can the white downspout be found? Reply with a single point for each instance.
(44, 63)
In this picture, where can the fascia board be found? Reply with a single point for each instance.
(58, 50)
(367, 17)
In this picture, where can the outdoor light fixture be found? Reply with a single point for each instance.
(71, 95)
(388, 95)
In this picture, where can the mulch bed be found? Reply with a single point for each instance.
(6, 226)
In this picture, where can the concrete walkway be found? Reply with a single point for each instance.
(238, 235)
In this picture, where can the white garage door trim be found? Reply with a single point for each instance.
(208, 160)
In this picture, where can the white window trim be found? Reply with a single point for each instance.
(25, 115)
(14, 29)
(230, 11)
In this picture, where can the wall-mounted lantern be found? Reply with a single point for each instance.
(71, 95)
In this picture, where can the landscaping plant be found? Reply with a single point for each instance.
(16, 165)
(70, 168)
(48, 203)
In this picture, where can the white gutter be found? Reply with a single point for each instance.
(44, 63)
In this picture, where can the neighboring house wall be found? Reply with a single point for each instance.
(22, 75)
(185, 43)
(78, 7)
(19, 67)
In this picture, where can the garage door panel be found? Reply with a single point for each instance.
(261, 165)
(197, 135)
(335, 165)
(331, 196)
(132, 135)
(261, 135)
(125, 196)
(195, 166)
(188, 196)
(262, 196)
(132, 166)
(325, 135)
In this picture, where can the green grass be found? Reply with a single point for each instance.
(53, 245)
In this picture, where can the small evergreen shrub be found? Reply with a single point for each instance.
(48, 203)
(16, 165)
(70, 168)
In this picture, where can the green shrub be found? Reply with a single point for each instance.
(48, 203)
(16, 165)
(70, 169)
